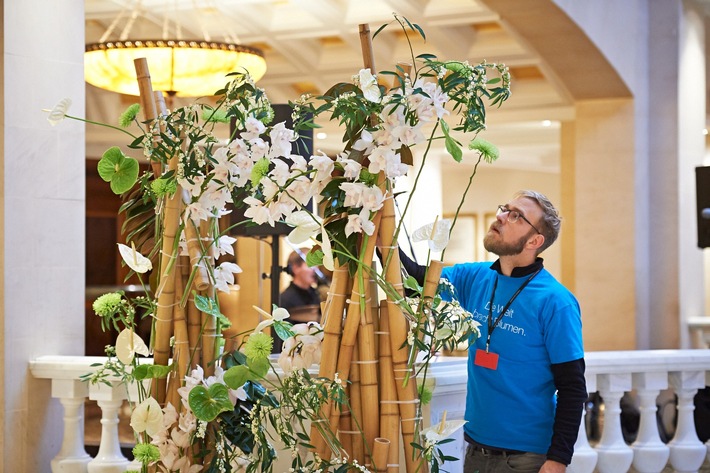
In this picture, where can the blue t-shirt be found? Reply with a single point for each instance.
(513, 407)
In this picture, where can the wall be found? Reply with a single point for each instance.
(43, 226)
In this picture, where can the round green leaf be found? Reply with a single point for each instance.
(208, 403)
(259, 366)
(236, 376)
(118, 169)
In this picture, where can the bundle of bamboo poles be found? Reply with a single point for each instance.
(382, 390)
(178, 277)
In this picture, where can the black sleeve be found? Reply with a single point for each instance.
(415, 270)
(571, 396)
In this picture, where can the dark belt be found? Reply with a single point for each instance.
(492, 451)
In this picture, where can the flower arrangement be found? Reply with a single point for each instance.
(206, 405)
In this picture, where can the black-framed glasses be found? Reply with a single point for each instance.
(514, 215)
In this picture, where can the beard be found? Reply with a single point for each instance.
(500, 248)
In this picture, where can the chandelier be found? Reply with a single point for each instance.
(185, 68)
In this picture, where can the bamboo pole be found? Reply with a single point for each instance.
(380, 453)
(405, 382)
(148, 103)
(192, 315)
(389, 409)
(209, 338)
(368, 373)
(181, 349)
(197, 263)
(229, 306)
(356, 412)
(166, 286)
(332, 321)
(346, 426)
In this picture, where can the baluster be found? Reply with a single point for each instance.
(72, 458)
(109, 458)
(687, 451)
(585, 457)
(650, 453)
(614, 455)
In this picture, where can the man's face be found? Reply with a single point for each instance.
(303, 274)
(508, 239)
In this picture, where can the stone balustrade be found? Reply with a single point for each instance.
(645, 373)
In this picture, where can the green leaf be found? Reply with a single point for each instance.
(208, 306)
(411, 283)
(260, 366)
(151, 371)
(283, 329)
(314, 258)
(236, 376)
(208, 403)
(118, 169)
(454, 149)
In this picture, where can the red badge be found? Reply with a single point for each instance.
(486, 359)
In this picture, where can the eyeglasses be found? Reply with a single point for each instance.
(514, 215)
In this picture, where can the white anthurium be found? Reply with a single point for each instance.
(442, 430)
(279, 314)
(128, 343)
(328, 261)
(59, 111)
(136, 261)
(435, 233)
(306, 226)
(147, 417)
(369, 87)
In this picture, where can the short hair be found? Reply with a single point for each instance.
(551, 221)
(295, 258)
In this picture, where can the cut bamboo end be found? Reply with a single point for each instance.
(380, 452)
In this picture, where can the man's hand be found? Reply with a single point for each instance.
(551, 466)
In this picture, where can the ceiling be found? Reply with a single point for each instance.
(311, 44)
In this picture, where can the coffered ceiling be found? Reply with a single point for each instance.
(312, 44)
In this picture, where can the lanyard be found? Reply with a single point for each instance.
(492, 325)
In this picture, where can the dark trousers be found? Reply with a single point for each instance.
(481, 462)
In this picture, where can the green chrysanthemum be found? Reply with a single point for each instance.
(163, 187)
(146, 453)
(129, 115)
(260, 169)
(108, 304)
(425, 395)
(488, 150)
(258, 346)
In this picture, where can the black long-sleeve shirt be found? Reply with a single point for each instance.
(568, 378)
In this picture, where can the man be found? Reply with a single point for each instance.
(302, 291)
(526, 387)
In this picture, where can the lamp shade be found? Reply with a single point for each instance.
(183, 68)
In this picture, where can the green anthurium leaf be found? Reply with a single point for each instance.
(118, 169)
(411, 283)
(236, 376)
(208, 403)
(151, 371)
(283, 329)
(208, 306)
(314, 258)
(259, 366)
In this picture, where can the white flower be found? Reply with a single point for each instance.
(351, 168)
(442, 430)
(128, 343)
(281, 138)
(147, 417)
(306, 226)
(223, 245)
(257, 211)
(328, 261)
(59, 111)
(369, 87)
(136, 261)
(436, 234)
(372, 198)
(279, 314)
(253, 129)
(224, 275)
(359, 223)
(323, 165)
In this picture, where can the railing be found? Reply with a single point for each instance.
(611, 374)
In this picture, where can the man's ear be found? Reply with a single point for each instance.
(536, 241)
